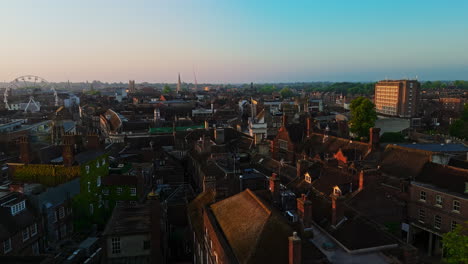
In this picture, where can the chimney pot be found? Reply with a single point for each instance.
(295, 248)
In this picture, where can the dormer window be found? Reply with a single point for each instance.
(336, 191)
(17, 208)
(307, 177)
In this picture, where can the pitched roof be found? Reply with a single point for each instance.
(318, 144)
(403, 162)
(255, 233)
(445, 177)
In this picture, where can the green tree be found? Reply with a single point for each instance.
(286, 92)
(363, 116)
(459, 128)
(166, 89)
(456, 244)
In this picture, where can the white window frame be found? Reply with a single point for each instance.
(453, 225)
(283, 144)
(437, 222)
(421, 216)
(97, 164)
(17, 208)
(439, 200)
(422, 196)
(456, 205)
(87, 169)
(133, 191)
(119, 190)
(115, 245)
(98, 181)
(307, 178)
(25, 234)
(61, 212)
(33, 229)
(103, 161)
(105, 191)
(7, 246)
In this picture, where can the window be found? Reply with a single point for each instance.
(105, 191)
(422, 196)
(91, 208)
(26, 234)
(17, 208)
(307, 178)
(439, 201)
(97, 164)
(87, 169)
(283, 144)
(453, 225)
(33, 229)
(63, 230)
(89, 186)
(456, 206)
(61, 212)
(133, 191)
(35, 248)
(119, 191)
(69, 210)
(7, 246)
(98, 181)
(146, 244)
(437, 221)
(54, 217)
(116, 245)
(422, 215)
(103, 161)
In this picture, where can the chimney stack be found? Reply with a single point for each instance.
(361, 180)
(25, 153)
(275, 187)
(374, 135)
(300, 168)
(285, 120)
(93, 141)
(310, 128)
(337, 206)
(304, 209)
(67, 151)
(295, 248)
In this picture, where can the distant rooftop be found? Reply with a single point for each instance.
(438, 147)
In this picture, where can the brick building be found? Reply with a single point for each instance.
(397, 97)
(438, 202)
(20, 226)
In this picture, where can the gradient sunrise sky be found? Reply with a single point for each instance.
(233, 40)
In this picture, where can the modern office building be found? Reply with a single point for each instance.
(397, 97)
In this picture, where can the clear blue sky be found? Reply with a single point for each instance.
(234, 40)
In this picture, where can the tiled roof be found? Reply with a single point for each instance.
(403, 162)
(448, 178)
(255, 233)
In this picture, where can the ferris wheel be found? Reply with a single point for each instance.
(28, 84)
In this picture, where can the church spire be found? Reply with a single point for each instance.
(178, 84)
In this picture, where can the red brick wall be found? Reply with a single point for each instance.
(445, 212)
(279, 153)
(215, 246)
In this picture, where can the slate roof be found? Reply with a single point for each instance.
(255, 233)
(403, 162)
(448, 178)
(319, 144)
(437, 147)
(129, 219)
